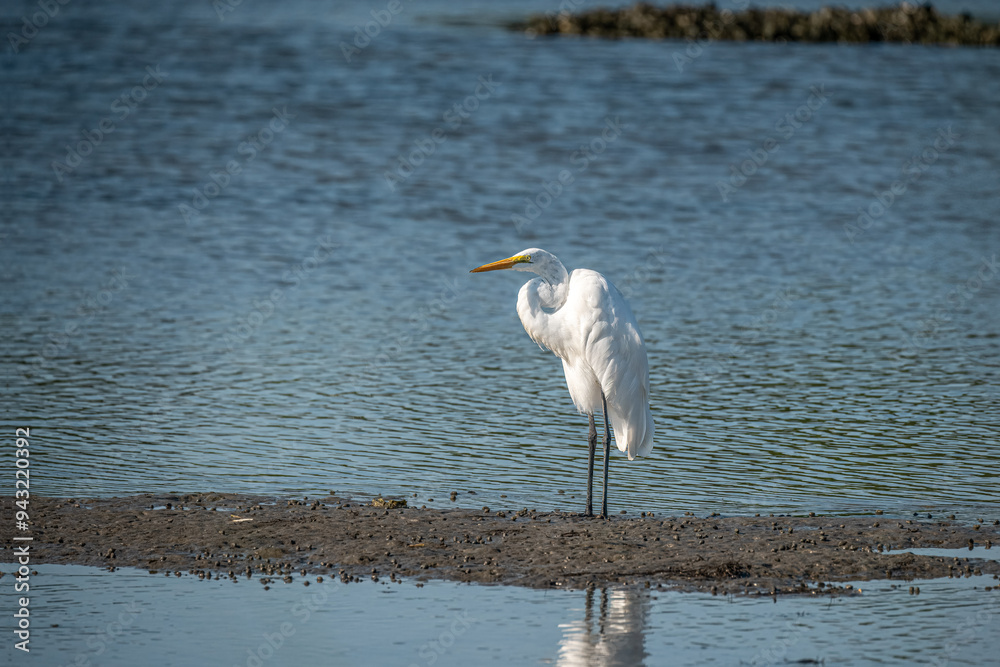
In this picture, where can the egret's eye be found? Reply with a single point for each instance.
(527, 258)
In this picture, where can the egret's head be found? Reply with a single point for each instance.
(534, 260)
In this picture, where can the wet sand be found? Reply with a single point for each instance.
(280, 539)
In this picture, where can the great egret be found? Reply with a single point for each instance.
(585, 321)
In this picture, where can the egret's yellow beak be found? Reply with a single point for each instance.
(503, 264)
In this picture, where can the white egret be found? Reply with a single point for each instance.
(585, 321)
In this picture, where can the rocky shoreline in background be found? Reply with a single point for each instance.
(281, 540)
(906, 23)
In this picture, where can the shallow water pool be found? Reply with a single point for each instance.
(83, 615)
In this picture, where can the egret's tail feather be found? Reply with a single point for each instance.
(633, 428)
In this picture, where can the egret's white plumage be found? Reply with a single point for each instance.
(586, 322)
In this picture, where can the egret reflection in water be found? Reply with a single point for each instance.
(615, 637)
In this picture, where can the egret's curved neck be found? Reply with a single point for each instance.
(554, 287)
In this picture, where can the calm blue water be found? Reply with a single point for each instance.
(304, 327)
(87, 616)
(209, 284)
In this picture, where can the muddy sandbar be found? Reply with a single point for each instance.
(281, 539)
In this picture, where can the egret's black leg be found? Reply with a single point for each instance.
(607, 456)
(592, 443)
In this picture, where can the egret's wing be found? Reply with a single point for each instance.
(598, 340)
(614, 349)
